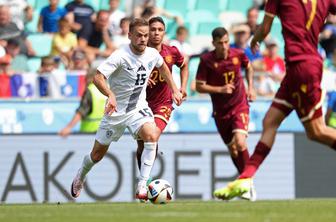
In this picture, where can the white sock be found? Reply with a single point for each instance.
(87, 164)
(147, 161)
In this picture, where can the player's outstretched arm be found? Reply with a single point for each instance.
(262, 31)
(177, 96)
(202, 87)
(100, 82)
(251, 94)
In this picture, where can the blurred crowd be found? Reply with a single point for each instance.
(82, 35)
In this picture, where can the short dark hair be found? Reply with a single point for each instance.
(218, 32)
(137, 22)
(156, 19)
(181, 29)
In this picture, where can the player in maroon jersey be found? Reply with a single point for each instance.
(219, 75)
(159, 95)
(300, 90)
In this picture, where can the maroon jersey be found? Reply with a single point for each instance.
(160, 93)
(218, 72)
(301, 22)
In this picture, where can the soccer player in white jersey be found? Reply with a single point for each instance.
(127, 71)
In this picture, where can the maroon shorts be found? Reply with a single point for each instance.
(162, 115)
(232, 124)
(301, 90)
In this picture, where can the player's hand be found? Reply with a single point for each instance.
(151, 83)
(111, 105)
(184, 94)
(255, 46)
(251, 94)
(177, 98)
(65, 132)
(227, 89)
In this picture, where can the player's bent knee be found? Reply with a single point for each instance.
(241, 145)
(315, 134)
(98, 152)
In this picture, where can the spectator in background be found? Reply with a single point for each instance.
(8, 30)
(91, 42)
(241, 34)
(147, 9)
(49, 17)
(50, 79)
(17, 10)
(90, 110)
(180, 41)
(64, 42)
(122, 38)
(78, 61)
(115, 17)
(19, 62)
(81, 16)
(328, 36)
(274, 65)
(5, 75)
(265, 86)
(252, 19)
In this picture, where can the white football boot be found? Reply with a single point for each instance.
(251, 195)
(76, 186)
(141, 191)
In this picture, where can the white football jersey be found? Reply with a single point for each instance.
(128, 74)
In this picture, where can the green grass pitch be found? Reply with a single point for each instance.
(304, 210)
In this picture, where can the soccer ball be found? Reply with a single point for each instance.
(159, 191)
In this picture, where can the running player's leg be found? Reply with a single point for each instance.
(317, 130)
(161, 125)
(244, 183)
(106, 133)
(224, 128)
(149, 133)
(271, 123)
(240, 147)
(97, 153)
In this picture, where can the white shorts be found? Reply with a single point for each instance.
(113, 127)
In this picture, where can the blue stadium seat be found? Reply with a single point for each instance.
(177, 5)
(214, 6)
(205, 28)
(31, 3)
(31, 27)
(239, 5)
(41, 43)
(200, 15)
(94, 3)
(34, 64)
(104, 4)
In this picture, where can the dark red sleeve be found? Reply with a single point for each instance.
(244, 60)
(271, 7)
(202, 71)
(179, 58)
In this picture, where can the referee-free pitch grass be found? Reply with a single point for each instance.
(304, 210)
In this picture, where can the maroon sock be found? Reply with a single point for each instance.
(242, 159)
(334, 145)
(235, 162)
(260, 153)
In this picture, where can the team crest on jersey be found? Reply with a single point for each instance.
(235, 61)
(141, 68)
(304, 88)
(150, 65)
(109, 133)
(216, 65)
(168, 59)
